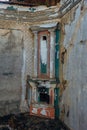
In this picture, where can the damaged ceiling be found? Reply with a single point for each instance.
(31, 2)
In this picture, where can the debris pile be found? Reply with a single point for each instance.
(27, 122)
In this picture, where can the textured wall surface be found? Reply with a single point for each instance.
(15, 64)
(10, 68)
(17, 53)
(74, 41)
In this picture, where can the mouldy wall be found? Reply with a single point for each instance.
(74, 95)
(15, 64)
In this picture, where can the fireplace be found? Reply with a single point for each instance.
(43, 94)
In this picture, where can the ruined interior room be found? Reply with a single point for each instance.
(43, 75)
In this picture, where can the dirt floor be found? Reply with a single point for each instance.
(27, 122)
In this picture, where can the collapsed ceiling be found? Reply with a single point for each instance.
(32, 2)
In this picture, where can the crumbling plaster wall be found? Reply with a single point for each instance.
(16, 63)
(15, 23)
(74, 68)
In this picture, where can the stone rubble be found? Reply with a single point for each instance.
(27, 122)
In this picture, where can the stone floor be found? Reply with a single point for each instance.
(27, 122)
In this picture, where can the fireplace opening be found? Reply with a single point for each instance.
(44, 96)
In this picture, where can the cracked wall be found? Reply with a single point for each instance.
(17, 53)
(73, 70)
(15, 64)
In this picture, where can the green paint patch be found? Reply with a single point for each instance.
(11, 8)
(32, 9)
(43, 68)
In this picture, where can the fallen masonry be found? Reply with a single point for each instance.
(27, 122)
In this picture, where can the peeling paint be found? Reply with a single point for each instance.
(43, 49)
(32, 9)
(50, 25)
(54, 15)
(11, 8)
(73, 96)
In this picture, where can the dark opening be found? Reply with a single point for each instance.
(44, 97)
(44, 38)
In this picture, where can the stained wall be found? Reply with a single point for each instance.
(15, 64)
(17, 52)
(73, 72)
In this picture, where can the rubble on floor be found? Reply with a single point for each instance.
(27, 122)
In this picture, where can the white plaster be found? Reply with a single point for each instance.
(10, 16)
(34, 94)
(49, 25)
(43, 51)
(75, 72)
(45, 84)
(56, 9)
(23, 76)
(23, 105)
(54, 15)
(57, 54)
(34, 110)
(52, 52)
(23, 8)
(24, 17)
(4, 0)
(51, 68)
(70, 29)
(3, 6)
(48, 85)
(43, 112)
(35, 53)
(39, 8)
(1, 12)
(85, 2)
